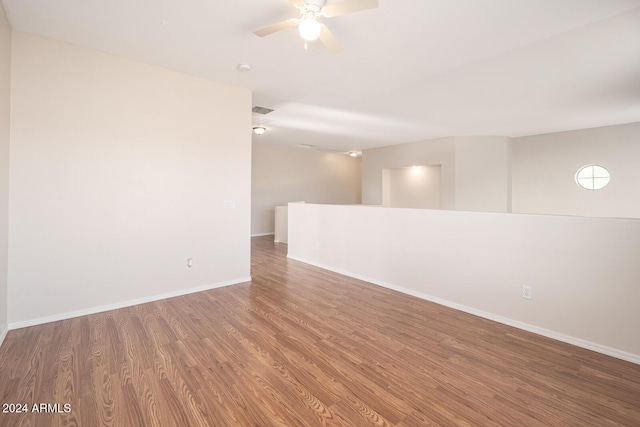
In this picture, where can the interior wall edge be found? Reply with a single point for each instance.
(3, 334)
(262, 234)
(123, 304)
(588, 345)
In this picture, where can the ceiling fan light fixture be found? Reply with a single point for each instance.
(309, 27)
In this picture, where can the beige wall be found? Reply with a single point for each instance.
(119, 173)
(5, 74)
(544, 168)
(280, 175)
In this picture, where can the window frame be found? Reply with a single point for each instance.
(597, 173)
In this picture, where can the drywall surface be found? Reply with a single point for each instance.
(436, 152)
(483, 174)
(532, 174)
(413, 187)
(478, 262)
(283, 174)
(281, 224)
(5, 92)
(120, 172)
(544, 168)
(475, 172)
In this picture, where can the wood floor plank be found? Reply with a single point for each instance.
(302, 346)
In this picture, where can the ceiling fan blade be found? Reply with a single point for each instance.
(348, 6)
(329, 41)
(297, 3)
(277, 27)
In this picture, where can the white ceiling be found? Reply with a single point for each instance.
(410, 70)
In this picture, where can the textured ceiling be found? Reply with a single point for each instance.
(410, 70)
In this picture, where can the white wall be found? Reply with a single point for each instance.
(544, 168)
(532, 174)
(475, 171)
(483, 174)
(118, 174)
(478, 262)
(281, 174)
(413, 187)
(5, 89)
(426, 153)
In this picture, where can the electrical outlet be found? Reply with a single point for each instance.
(526, 291)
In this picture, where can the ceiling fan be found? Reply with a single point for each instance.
(309, 24)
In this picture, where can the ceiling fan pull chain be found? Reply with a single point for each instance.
(305, 45)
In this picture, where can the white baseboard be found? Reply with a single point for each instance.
(129, 303)
(3, 334)
(262, 234)
(609, 351)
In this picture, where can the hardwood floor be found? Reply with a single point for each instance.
(300, 346)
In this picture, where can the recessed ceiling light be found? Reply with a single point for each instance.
(244, 67)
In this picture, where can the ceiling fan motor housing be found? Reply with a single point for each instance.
(314, 4)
